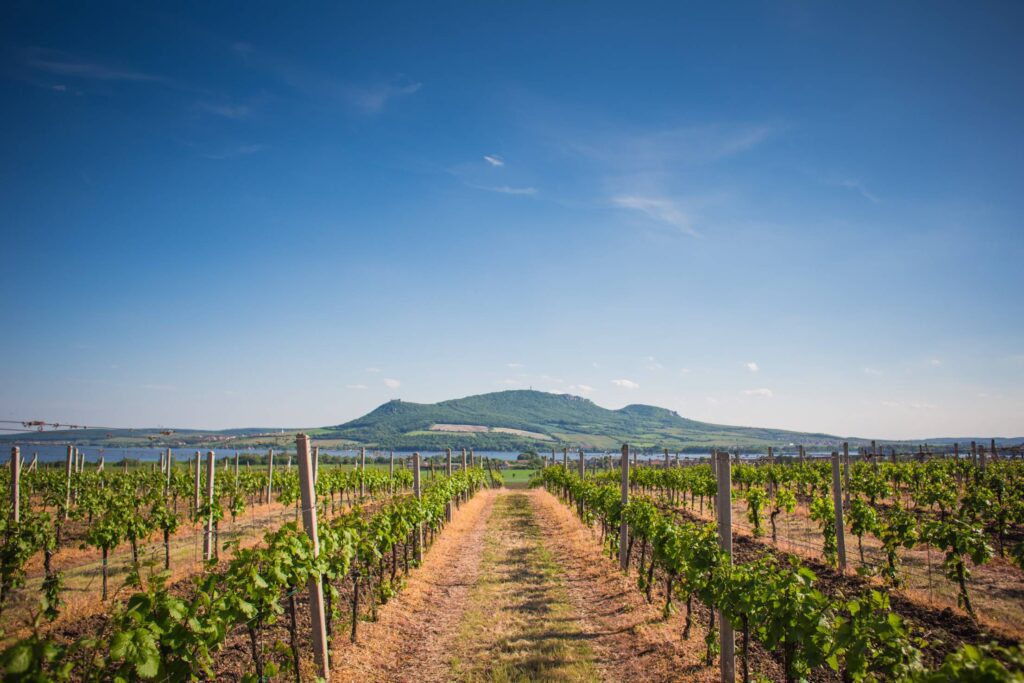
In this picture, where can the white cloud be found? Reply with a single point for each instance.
(228, 111)
(62, 64)
(494, 160)
(858, 187)
(764, 393)
(653, 364)
(355, 386)
(872, 371)
(581, 389)
(658, 209)
(392, 383)
(752, 366)
(625, 384)
(373, 97)
(913, 405)
(236, 151)
(514, 365)
(934, 362)
(506, 189)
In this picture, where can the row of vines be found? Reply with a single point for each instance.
(774, 599)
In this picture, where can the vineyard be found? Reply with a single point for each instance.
(845, 569)
(234, 615)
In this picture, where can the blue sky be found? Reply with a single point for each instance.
(779, 214)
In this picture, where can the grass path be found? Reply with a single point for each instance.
(520, 625)
(517, 589)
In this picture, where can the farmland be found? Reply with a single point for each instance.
(202, 570)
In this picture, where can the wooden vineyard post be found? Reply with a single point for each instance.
(803, 455)
(67, 497)
(583, 476)
(974, 453)
(270, 474)
(771, 455)
(417, 543)
(170, 468)
(623, 526)
(15, 484)
(288, 465)
(634, 458)
(666, 459)
(236, 467)
(362, 472)
(35, 462)
(316, 464)
(208, 536)
(448, 471)
(846, 474)
(472, 458)
(307, 494)
(982, 459)
(837, 500)
(874, 456)
(391, 467)
(465, 494)
(565, 459)
(995, 453)
(99, 465)
(956, 450)
(714, 474)
(728, 638)
(195, 502)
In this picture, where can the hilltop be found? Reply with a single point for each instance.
(516, 420)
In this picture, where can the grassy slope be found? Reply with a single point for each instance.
(569, 420)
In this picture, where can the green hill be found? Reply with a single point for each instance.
(552, 420)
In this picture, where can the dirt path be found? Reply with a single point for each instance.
(517, 589)
(412, 640)
(521, 624)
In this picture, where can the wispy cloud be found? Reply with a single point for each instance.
(934, 362)
(227, 111)
(752, 366)
(514, 365)
(659, 209)
(372, 98)
(364, 97)
(70, 66)
(507, 189)
(630, 151)
(237, 151)
(581, 389)
(763, 393)
(355, 386)
(625, 384)
(872, 371)
(912, 405)
(494, 160)
(651, 363)
(391, 383)
(858, 187)
(510, 382)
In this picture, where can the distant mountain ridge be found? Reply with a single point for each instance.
(515, 420)
(563, 420)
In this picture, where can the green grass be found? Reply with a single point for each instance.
(520, 625)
